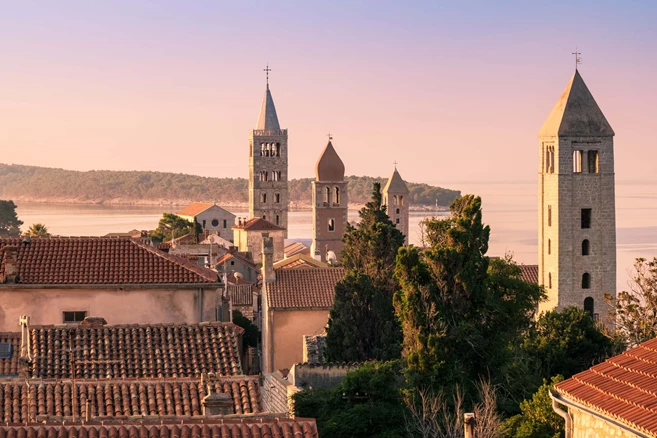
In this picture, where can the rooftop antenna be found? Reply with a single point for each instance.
(578, 59)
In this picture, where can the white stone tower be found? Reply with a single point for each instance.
(268, 183)
(395, 196)
(330, 204)
(577, 217)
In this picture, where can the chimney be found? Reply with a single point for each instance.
(268, 275)
(26, 351)
(215, 403)
(469, 423)
(10, 271)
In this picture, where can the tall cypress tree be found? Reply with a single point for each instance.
(362, 323)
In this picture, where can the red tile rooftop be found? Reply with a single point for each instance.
(303, 288)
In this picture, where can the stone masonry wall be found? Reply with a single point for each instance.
(323, 212)
(588, 426)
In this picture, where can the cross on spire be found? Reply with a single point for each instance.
(578, 60)
(267, 70)
(330, 136)
(395, 163)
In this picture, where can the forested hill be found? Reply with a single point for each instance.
(42, 184)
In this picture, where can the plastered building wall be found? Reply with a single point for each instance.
(288, 328)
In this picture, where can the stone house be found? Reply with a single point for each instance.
(615, 398)
(295, 302)
(64, 279)
(247, 236)
(211, 217)
(235, 264)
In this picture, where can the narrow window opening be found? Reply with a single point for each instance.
(593, 161)
(577, 161)
(225, 223)
(262, 149)
(397, 221)
(331, 225)
(589, 306)
(264, 217)
(277, 220)
(268, 150)
(337, 195)
(327, 195)
(549, 246)
(586, 218)
(263, 197)
(394, 199)
(550, 280)
(274, 150)
(397, 211)
(278, 149)
(586, 281)
(203, 223)
(277, 198)
(549, 215)
(401, 200)
(586, 247)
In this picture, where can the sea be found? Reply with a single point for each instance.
(509, 208)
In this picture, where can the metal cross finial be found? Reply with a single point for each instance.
(578, 60)
(267, 70)
(395, 163)
(330, 136)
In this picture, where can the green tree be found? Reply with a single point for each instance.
(38, 230)
(566, 343)
(362, 323)
(172, 225)
(367, 403)
(461, 315)
(538, 419)
(635, 311)
(10, 226)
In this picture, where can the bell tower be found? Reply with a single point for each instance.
(330, 205)
(577, 216)
(395, 196)
(268, 179)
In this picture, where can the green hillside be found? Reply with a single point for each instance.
(42, 184)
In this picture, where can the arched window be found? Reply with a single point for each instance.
(268, 150)
(550, 280)
(264, 217)
(586, 247)
(401, 200)
(277, 198)
(394, 199)
(263, 197)
(327, 195)
(262, 149)
(274, 150)
(586, 281)
(277, 219)
(331, 225)
(589, 306)
(337, 195)
(549, 246)
(278, 149)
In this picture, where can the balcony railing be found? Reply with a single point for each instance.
(269, 132)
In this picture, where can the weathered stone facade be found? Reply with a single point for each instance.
(585, 425)
(395, 197)
(268, 176)
(577, 221)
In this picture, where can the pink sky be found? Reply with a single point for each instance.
(454, 93)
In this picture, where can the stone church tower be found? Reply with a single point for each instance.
(577, 218)
(395, 197)
(330, 202)
(268, 184)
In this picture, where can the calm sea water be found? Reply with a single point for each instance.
(510, 210)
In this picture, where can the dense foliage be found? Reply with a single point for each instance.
(635, 311)
(38, 230)
(368, 403)
(251, 332)
(9, 223)
(362, 324)
(461, 315)
(134, 186)
(174, 226)
(538, 419)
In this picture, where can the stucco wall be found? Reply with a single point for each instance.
(46, 306)
(289, 327)
(588, 426)
(221, 215)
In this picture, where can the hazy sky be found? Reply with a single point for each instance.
(452, 90)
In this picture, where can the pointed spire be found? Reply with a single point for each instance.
(268, 119)
(395, 183)
(576, 114)
(329, 167)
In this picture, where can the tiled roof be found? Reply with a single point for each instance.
(99, 261)
(10, 366)
(529, 273)
(189, 428)
(143, 351)
(623, 388)
(296, 248)
(177, 397)
(194, 209)
(303, 288)
(241, 294)
(299, 261)
(258, 224)
(237, 256)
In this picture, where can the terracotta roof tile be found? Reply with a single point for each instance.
(99, 260)
(241, 294)
(141, 351)
(296, 248)
(178, 397)
(529, 273)
(188, 428)
(194, 209)
(299, 261)
(10, 366)
(258, 224)
(623, 388)
(236, 255)
(303, 288)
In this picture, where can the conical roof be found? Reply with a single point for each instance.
(268, 119)
(329, 166)
(395, 184)
(576, 114)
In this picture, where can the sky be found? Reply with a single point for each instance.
(451, 91)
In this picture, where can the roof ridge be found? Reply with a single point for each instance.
(199, 270)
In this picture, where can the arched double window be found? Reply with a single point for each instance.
(327, 195)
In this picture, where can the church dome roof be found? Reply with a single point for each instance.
(329, 166)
